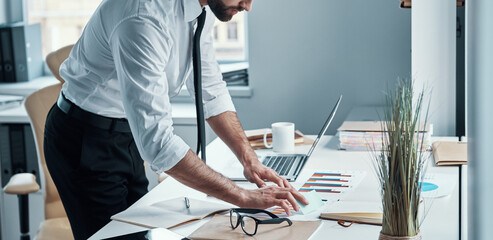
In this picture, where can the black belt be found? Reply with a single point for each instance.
(105, 123)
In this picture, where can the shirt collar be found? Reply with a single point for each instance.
(192, 10)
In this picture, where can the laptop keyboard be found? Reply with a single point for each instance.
(280, 164)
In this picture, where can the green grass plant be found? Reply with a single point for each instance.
(400, 166)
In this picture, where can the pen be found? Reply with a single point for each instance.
(187, 202)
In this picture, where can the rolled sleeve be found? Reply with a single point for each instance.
(218, 105)
(141, 49)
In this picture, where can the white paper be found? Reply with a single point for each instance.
(168, 213)
(444, 185)
(354, 207)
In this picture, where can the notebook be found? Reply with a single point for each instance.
(288, 166)
(170, 213)
(450, 153)
(368, 212)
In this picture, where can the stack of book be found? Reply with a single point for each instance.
(10, 101)
(369, 135)
(235, 74)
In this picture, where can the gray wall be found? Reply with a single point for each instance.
(303, 54)
(3, 13)
(11, 11)
(479, 75)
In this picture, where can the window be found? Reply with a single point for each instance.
(230, 44)
(62, 24)
(215, 33)
(233, 31)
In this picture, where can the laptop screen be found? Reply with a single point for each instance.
(325, 127)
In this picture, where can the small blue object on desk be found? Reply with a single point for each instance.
(314, 202)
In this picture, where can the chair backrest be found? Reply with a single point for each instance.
(37, 106)
(56, 58)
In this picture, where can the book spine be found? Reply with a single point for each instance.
(1, 60)
(7, 55)
(19, 48)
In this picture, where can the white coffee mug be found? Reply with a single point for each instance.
(282, 137)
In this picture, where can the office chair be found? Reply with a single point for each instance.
(56, 58)
(56, 224)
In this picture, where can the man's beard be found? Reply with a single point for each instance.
(221, 11)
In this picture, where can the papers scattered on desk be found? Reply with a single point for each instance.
(170, 213)
(10, 101)
(436, 185)
(331, 184)
(363, 136)
(314, 202)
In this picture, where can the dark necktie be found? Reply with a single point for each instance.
(197, 83)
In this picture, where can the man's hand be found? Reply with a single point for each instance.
(269, 196)
(281, 195)
(256, 172)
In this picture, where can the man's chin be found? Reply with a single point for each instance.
(225, 18)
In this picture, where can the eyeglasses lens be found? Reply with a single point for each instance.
(249, 225)
(234, 218)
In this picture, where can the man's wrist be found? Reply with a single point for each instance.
(242, 197)
(249, 158)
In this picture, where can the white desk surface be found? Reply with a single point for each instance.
(441, 222)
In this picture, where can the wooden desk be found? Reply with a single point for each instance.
(441, 222)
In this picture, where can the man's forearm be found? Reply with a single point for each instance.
(227, 126)
(194, 173)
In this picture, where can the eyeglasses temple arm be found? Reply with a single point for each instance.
(275, 221)
(255, 210)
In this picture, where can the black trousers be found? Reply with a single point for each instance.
(97, 172)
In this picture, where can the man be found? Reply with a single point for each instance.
(114, 111)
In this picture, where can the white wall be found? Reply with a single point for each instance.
(304, 54)
(479, 76)
(433, 59)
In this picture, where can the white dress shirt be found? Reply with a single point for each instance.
(133, 56)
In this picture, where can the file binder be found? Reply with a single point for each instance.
(7, 55)
(21, 58)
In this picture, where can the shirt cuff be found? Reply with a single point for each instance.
(218, 105)
(174, 151)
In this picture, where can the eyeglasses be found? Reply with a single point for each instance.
(250, 224)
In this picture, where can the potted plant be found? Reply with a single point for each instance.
(400, 165)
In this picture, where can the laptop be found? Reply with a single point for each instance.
(288, 166)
